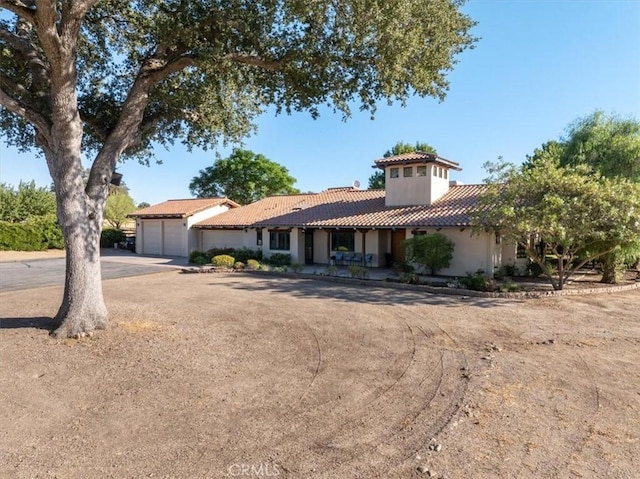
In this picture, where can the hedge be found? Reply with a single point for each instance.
(36, 234)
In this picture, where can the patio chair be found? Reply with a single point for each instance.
(348, 258)
(368, 260)
(357, 259)
(338, 258)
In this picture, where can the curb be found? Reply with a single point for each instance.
(453, 291)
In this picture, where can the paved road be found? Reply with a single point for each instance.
(29, 274)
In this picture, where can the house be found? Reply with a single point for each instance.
(167, 228)
(419, 198)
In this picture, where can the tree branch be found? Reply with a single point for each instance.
(22, 8)
(73, 13)
(17, 107)
(30, 55)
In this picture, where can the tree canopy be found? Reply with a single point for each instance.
(112, 78)
(563, 216)
(119, 205)
(25, 201)
(243, 177)
(376, 180)
(610, 146)
(431, 252)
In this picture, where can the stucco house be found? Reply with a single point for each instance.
(167, 228)
(419, 198)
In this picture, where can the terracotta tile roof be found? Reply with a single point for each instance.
(181, 208)
(416, 157)
(350, 208)
(250, 214)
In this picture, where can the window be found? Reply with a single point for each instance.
(421, 171)
(446, 174)
(407, 171)
(341, 240)
(259, 237)
(435, 170)
(440, 171)
(279, 240)
(521, 252)
(394, 172)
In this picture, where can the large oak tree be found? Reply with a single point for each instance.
(111, 78)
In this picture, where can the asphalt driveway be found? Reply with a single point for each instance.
(28, 274)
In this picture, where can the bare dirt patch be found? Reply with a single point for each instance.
(8, 256)
(207, 376)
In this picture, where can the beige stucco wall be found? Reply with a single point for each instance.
(472, 251)
(415, 190)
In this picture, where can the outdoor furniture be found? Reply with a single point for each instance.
(338, 258)
(357, 259)
(348, 258)
(368, 260)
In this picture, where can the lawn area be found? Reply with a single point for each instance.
(234, 375)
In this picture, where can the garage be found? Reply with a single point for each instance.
(151, 237)
(164, 229)
(173, 238)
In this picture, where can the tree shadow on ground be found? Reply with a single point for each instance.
(40, 322)
(363, 293)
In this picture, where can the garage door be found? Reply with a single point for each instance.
(173, 234)
(152, 237)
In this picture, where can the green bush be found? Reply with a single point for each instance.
(223, 261)
(245, 254)
(431, 252)
(38, 233)
(238, 265)
(476, 281)
(332, 270)
(110, 236)
(219, 251)
(296, 267)
(279, 259)
(409, 278)
(359, 272)
(510, 287)
(253, 264)
(199, 258)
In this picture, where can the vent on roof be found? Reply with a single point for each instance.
(455, 183)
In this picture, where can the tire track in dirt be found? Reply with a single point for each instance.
(402, 417)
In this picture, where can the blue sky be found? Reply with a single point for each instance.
(538, 66)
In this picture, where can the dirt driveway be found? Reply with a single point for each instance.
(232, 375)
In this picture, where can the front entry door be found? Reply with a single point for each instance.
(397, 252)
(308, 247)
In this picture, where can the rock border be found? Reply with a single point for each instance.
(452, 291)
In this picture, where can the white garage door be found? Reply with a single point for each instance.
(152, 237)
(173, 236)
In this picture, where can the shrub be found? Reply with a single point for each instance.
(510, 287)
(219, 251)
(223, 261)
(432, 252)
(358, 272)
(477, 281)
(281, 269)
(253, 264)
(279, 259)
(245, 254)
(109, 236)
(332, 270)
(296, 267)
(401, 267)
(507, 271)
(37, 233)
(238, 265)
(199, 258)
(409, 278)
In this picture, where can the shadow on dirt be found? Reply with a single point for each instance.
(19, 323)
(363, 293)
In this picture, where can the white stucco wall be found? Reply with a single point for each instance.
(193, 234)
(415, 190)
(235, 239)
